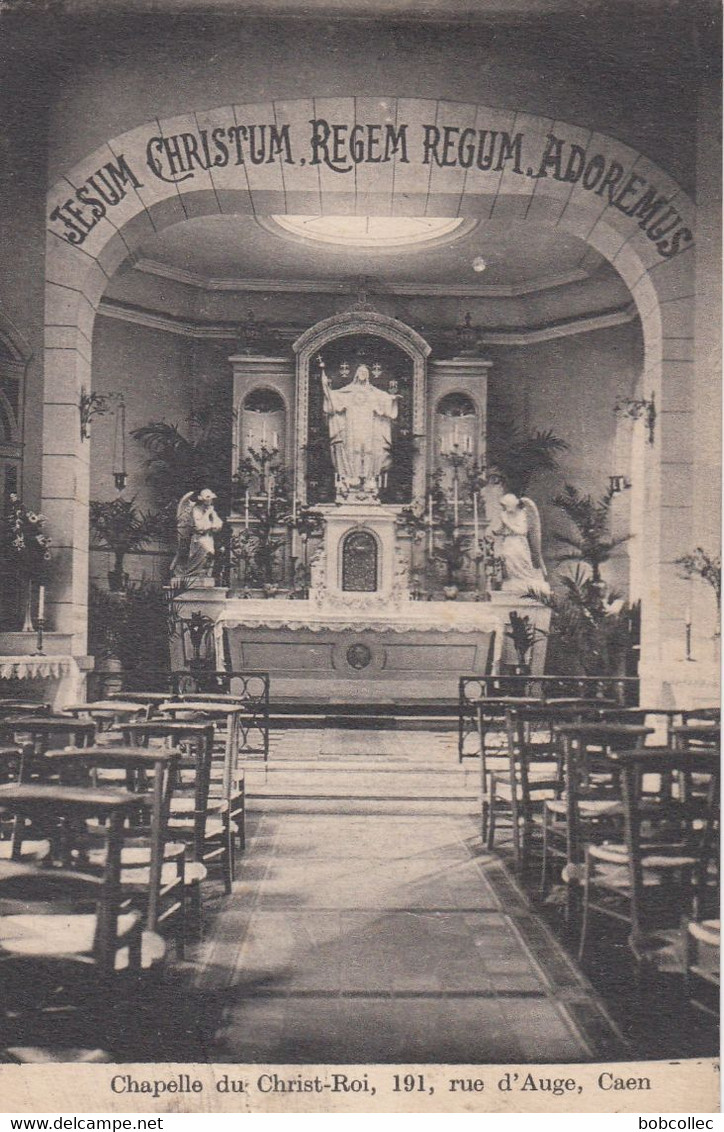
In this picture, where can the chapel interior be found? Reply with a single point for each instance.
(359, 626)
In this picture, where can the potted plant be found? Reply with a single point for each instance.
(177, 463)
(523, 634)
(593, 632)
(699, 564)
(592, 542)
(107, 615)
(121, 528)
(518, 456)
(27, 547)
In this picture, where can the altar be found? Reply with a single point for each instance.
(415, 652)
(363, 560)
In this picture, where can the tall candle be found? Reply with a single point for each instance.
(456, 501)
(476, 531)
(275, 440)
(41, 603)
(123, 447)
(268, 494)
(294, 510)
(246, 509)
(429, 523)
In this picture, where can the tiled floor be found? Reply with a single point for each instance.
(382, 937)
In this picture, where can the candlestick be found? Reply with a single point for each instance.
(246, 509)
(456, 503)
(41, 603)
(475, 520)
(40, 627)
(263, 432)
(268, 494)
(275, 440)
(294, 510)
(123, 436)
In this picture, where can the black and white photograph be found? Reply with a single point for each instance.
(360, 575)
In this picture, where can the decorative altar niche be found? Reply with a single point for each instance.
(261, 495)
(392, 370)
(456, 434)
(263, 424)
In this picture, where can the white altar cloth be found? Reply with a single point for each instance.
(65, 674)
(405, 617)
(32, 667)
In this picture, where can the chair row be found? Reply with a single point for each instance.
(113, 814)
(619, 829)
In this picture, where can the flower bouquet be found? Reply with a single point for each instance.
(27, 548)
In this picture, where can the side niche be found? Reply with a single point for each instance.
(263, 422)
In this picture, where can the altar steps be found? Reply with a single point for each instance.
(409, 716)
(365, 772)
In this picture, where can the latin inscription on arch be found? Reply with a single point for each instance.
(479, 148)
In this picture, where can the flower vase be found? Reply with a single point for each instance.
(28, 626)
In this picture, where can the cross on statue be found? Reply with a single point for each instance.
(344, 370)
(376, 370)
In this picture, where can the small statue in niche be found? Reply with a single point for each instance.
(519, 545)
(196, 522)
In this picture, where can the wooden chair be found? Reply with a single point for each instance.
(151, 865)
(493, 747)
(107, 715)
(587, 804)
(43, 732)
(534, 767)
(149, 700)
(22, 707)
(251, 689)
(66, 942)
(227, 776)
(204, 828)
(702, 961)
(695, 733)
(660, 873)
(13, 769)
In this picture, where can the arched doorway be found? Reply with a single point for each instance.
(618, 202)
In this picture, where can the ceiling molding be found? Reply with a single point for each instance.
(343, 286)
(186, 328)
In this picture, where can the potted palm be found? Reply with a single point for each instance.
(591, 541)
(118, 526)
(523, 634)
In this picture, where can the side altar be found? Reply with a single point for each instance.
(363, 558)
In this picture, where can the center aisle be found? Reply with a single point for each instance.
(381, 931)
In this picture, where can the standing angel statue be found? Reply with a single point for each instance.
(196, 522)
(519, 546)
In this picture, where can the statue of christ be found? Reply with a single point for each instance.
(359, 418)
